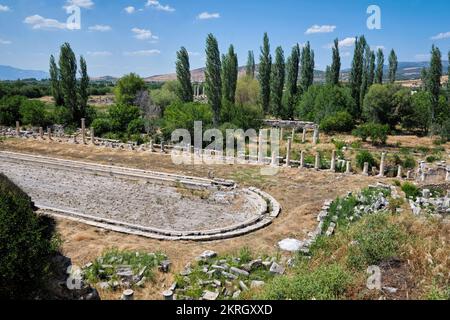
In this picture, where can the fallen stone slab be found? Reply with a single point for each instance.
(210, 296)
(277, 269)
(239, 272)
(291, 245)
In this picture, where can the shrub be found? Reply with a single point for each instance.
(338, 122)
(409, 163)
(121, 115)
(365, 156)
(137, 126)
(242, 116)
(101, 126)
(127, 89)
(411, 190)
(24, 245)
(10, 110)
(33, 113)
(376, 240)
(376, 132)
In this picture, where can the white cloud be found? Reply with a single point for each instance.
(100, 28)
(143, 34)
(5, 41)
(207, 15)
(142, 53)
(158, 6)
(442, 35)
(347, 42)
(4, 8)
(99, 53)
(345, 54)
(86, 4)
(320, 29)
(39, 22)
(130, 9)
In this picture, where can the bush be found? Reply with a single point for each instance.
(242, 116)
(338, 122)
(121, 115)
(363, 157)
(127, 89)
(33, 113)
(24, 246)
(409, 163)
(137, 126)
(376, 240)
(377, 133)
(411, 190)
(10, 110)
(101, 126)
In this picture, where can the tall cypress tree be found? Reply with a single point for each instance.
(434, 75)
(393, 65)
(380, 66)
(277, 83)
(365, 75)
(328, 76)
(371, 69)
(448, 79)
(307, 67)
(292, 81)
(251, 66)
(186, 91)
(336, 65)
(229, 75)
(84, 87)
(357, 72)
(55, 84)
(265, 68)
(213, 85)
(68, 72)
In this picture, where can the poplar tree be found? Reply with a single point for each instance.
(292, 81)
(251, 66)
(277, 83)
(55, 84)
(68, 73)
(307, 67)
(356, 74)
(186, 91)
(434, 75)
(371, 69)
(265, 67)
(365, 75)
(230, 75)
(213, 86)
(84, 87)
(393, 65)
(380, 66)
(336, 65)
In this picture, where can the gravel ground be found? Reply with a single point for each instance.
(142, 203)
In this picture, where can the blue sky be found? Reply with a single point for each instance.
(145, 37)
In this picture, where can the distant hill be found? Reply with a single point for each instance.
(10, 73)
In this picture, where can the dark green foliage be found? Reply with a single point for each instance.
(83, 90)
(185, 92)
(307, 67)
(213, 77)
(339, 122)
(242, 116)
(121, 115)
(25, 244)
(292, 82)
(365, 75)
(393, 66)
(101, 126)
(10, 110)
(363, 157)
(265, 68)
(433, 81)
(68, 76)
(34, 113)
(230, 72)
(380, 66)
(371, 79)
(277, 83)
(136, 126)
(251, 65)
(411, 190)
(377, 133)
(127, 89)
(418, 115)
(55, 84)
(335, 70)
(356, 74)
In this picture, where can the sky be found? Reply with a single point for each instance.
(122, 36)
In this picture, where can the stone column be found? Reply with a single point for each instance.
(274, 159)
(151, 146)
(333, 161)
(408, 174)
(304, 136)
(261, 147)
(317, 163)
(41, 133)
(282, 134)
(302, 159)
(49, 133)
(348, 169)
(316, 135)
(18, 128)
(92, 135)
(399, 172)
(293, 135)
(162, 147)
(383, 157)
(128, 295)
(366, 169)
(83, 130)
(288, 153)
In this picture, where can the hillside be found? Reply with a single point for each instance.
(11, 73)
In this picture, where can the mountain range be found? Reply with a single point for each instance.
(11, 73)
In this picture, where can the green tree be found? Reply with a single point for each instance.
(336, 65)
(356, 73)
(433, 83)
(68, 73)
(307, 67)
(33, 113)
(186, 92)
(230, 72)
(393, 66)
(10, 110)
(448, 78)
(83, 88)
(213, 77)
(55, 84)
(371, 69)
(380, 66)
(365, 75)
(183, 115)
(265, 67)
(247, 91)
(277, 82)
(292, 81)
(127, 89)
(251, 66)
(121, 115)
(418, 115)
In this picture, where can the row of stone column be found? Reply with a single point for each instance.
(199, 90)
(315, 135)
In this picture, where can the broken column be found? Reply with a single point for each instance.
(333, 161)
(366, 169)
(83, 130)
(92, 135)
(17, 128)
(288, 153)
(162, 147)
(317, 162)
(302, 159)
(399, 172)
(348, 169)
(316, 135)
(262, 150)
(274, 159)
(304, 136)
(293, 135)
(383, 158)
(282, 134)
(151, 146)
(41, 133)
(408, 174)
(49, 133)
